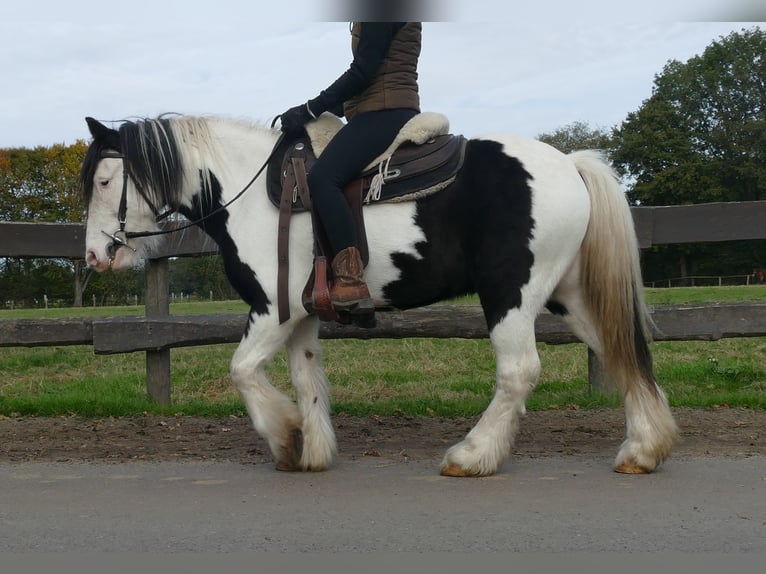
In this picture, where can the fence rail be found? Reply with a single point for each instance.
(108, 336)
(704, 281)
(158, 332)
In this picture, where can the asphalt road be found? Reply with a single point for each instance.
(368, 504)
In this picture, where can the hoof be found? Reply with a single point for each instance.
(632, 468)
(291, 454)
(456, 471)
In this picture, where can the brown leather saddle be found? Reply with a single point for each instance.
(411, 172)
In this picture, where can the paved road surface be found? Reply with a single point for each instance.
(369, 504)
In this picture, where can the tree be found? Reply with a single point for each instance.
(577, 136)
(117, 287)
(701, 137)
(200, 276)
(41, 185)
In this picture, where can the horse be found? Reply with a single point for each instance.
(523, 226)
(759, 275)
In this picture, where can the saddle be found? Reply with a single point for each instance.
(422, 160)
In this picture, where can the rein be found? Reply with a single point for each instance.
(123, 207)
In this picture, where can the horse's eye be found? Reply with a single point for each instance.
(103, 182)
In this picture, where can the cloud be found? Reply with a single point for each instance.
(527, 69)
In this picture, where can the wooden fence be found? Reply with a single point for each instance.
(158, 332)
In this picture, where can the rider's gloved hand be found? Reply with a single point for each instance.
(295, 118)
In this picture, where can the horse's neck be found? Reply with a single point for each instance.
(236, 154)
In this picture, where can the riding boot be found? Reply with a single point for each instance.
(348, 291)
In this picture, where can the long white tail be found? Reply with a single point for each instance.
(611, 273)
(613, 293)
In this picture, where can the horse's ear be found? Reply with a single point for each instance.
(103, 134)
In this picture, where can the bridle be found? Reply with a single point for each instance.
(120, 237)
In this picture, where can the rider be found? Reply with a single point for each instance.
(378, 94)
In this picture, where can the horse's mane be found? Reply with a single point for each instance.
(160, 153)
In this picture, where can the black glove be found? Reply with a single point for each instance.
(294, 119)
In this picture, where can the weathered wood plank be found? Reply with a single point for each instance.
(42, 240)
(673, 323)
(442, 322)
(129, 334)
(709, 322)
(67, 240)
(706, 222)
(643, 221)
(45, 332)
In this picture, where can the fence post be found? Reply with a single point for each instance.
(158, 305)
(596, 383)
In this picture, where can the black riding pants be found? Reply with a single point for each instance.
(360, 141)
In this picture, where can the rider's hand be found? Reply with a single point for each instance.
(295, 118)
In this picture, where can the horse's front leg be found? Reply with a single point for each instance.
(518, 367)
(274, 415)
(312, 392)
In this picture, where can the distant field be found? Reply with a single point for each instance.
(447, 377)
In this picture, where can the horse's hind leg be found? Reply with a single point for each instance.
(489, 443)
(650, 428)
(311, 387)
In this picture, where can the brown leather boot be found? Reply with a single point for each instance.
(348, 291)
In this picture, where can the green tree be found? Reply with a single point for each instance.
(200, 276)
(577, 136)
(116, 287)
(701, 137)
(41, 185)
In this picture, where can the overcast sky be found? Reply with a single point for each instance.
(489, 65)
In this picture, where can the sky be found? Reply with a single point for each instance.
(488, 65)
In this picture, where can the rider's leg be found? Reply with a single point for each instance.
(360, 141)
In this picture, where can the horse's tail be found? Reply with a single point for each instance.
(611, 278)
(610, 275)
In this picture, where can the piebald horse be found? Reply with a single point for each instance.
(523, 226)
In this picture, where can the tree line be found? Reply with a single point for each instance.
(700, 137)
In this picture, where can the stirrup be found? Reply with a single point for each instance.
(355, 306)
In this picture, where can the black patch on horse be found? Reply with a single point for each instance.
(556, 308)
(483, 225)
(240, 275)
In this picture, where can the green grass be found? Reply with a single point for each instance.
(692, 295)
(445, 377)
(196, 308)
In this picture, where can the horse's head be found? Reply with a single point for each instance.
(114, 205)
